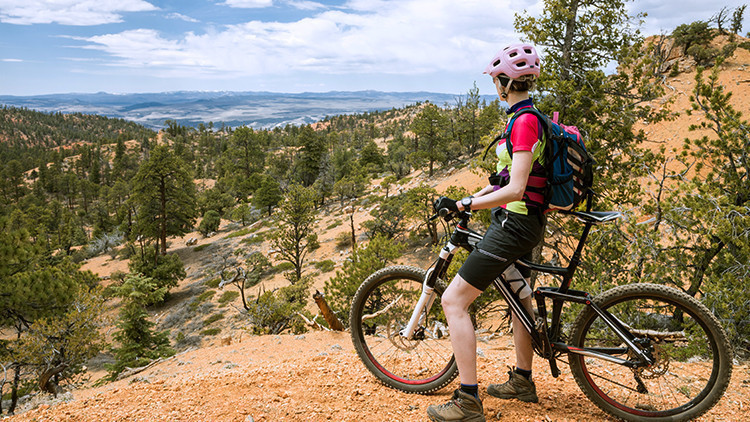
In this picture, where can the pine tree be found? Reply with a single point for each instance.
(295, 237)
(430, 127)
(268, 194)
(580, 39)
(164, 196)
(138, 342)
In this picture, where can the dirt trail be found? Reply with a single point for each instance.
(318, 377)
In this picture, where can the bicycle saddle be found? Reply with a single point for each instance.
(596, 217)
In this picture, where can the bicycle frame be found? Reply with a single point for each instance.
(545, 340)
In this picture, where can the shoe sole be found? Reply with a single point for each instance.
(477, 418)
(523, 398)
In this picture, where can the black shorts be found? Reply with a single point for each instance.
(511, 236)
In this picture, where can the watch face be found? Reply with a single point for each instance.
(466, 202)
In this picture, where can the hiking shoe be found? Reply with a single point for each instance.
(517, 387)
(462, 407)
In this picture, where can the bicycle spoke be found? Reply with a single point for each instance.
(665, 327)
(411, 364)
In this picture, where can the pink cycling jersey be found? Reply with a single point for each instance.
(525, 136)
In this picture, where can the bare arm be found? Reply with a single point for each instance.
(513, 191)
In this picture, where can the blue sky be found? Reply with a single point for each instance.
(126, 46)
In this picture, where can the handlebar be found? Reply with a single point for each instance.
(448, 215)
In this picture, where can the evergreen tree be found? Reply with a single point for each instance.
(164, 196)
(295, 237)
(138, 342)
(34, 287)
(430, 127)
(580, 39)
(268, 194)
(248, 150)
(310, 158)
(698, 240)
(210, 222)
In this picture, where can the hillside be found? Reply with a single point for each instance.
(317, 376)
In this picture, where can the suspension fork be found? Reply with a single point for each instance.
(426, 299)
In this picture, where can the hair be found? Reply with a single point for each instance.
(523, 84)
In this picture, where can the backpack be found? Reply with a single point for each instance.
(569, 167)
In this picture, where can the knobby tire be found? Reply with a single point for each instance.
(381, 308)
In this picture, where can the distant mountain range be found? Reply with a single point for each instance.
(255, 109)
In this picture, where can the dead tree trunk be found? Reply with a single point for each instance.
(328, 314)
(45, 383)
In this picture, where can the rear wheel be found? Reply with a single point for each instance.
(381, 308)
(693, 359)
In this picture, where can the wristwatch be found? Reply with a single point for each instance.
(466, 203)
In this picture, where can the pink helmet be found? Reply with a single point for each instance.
(514, 61)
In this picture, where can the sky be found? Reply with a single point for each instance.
(132, 46)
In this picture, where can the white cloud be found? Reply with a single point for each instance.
(69, 12)
(11, 60)
(364, 37)
(180, 16)
(306, 5)
(248, 4)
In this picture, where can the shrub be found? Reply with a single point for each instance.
(696, 33)
(377, 254)
(258, 238)
(282, 267)
(201, 247)
(167, 271)
(211, 332)
(208, 294)
(228, 296)
(703, 55)
(325, 266)
(213, 318)
(213, 283)
(238, 233)
(104, 243)
(344, 240)
(334, 225)
(275, 311)
(210, 223)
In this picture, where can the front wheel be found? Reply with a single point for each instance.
(381, 308)
(693, 359)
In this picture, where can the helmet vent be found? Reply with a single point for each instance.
(520, 64)
(495, 63)
(527, 50)
(513, 54)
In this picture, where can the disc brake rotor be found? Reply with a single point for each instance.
(658, 368)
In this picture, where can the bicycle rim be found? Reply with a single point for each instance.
(693, 360)
(381, 309)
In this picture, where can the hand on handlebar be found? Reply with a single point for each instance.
(445, 203)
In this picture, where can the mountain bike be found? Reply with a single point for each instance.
(638, 351)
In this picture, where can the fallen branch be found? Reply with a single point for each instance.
(128, 372)
(312, 323)
(382, 311)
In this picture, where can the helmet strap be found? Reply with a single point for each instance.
(506, 89)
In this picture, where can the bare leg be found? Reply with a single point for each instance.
(522, 339)
(456, 300)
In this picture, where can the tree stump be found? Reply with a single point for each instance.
(328, 314)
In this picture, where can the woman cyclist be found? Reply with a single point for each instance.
(517, 227)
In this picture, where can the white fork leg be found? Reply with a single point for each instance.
(422, 308)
